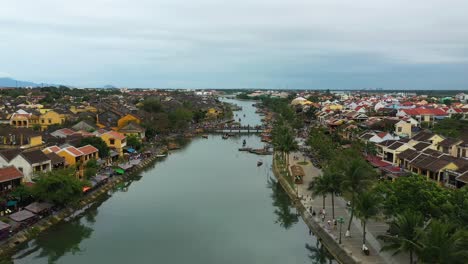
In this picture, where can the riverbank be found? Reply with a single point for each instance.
(9, 245)
(329, 241)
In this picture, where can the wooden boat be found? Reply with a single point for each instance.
(173, 146)
(245, 149)
(259, 163)
(161, 155)
(261, 151)
(226, 136)
(204, 136)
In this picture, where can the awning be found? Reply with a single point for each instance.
(85, 189)
(113, 153)
(119, 171)
(11, 203)
(125, 166)
(130, 150)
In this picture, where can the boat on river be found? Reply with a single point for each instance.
(259, 163)
(204, 136)
(225, 136)
(161, 155)
(245, 149)
(262, 151)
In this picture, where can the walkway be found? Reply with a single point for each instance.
(351, 244)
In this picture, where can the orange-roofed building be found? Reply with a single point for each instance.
(115, 140)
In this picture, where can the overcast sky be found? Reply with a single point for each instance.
(237, 43)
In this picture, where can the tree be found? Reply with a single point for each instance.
(180, 118)
(328, 182)
(134, 141)
(152, 105)
(97, 143)
(443, 243)
(60, 187)
(319, 186)
(91, 168)
(405, 235)
(367, 206)
(413, 193)
(357, 176)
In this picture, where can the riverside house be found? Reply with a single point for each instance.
(28, 162)
(115, 141)
(23, 138)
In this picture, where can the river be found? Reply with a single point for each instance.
(206, 203)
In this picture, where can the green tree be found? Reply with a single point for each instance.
(405, 235)
(413, 193)
(97, 143)
(152, 105)
(134, 141)
(367, 206)
(180, 118)
(443, 243)
(319, 186)
(357, 175)
(60, 187)
(91, 168)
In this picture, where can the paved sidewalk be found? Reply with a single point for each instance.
(352, 244)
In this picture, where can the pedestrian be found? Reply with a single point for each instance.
(335, 223)
(323, 218)
(313, 212)
(324, 213)
(329, 224)
(310, 232)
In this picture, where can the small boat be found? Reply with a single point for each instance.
(244, 143)
(244, 115)
(259, 163)
(239, 119)
(245, 149)
(225, 136)
(204, 136)
(161, 155)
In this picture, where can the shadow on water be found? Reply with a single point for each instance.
(76, 230)
(318, 254)
(284, 210)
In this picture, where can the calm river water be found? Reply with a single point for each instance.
(207, 203)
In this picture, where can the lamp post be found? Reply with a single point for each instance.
(341, 221)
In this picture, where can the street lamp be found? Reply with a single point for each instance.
(341, 221)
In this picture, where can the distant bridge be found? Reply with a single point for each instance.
(235, 129)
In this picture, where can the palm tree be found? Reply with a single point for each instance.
(289, 144)
(443, 243)
(406, 234)
(319, 186)
(357, 174)
(367, 206)
(333, 180)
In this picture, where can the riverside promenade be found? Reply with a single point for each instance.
(351, 244)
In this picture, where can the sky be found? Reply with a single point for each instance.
(296, 44)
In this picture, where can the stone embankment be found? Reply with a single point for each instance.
(329, 241)
(9, 245)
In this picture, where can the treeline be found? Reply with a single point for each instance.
(426, 220)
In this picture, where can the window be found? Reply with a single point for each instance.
(50, 121)
(111, 141)
(42, 121)
(20, 169)
(400, 129)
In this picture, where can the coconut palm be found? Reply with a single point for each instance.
(367, 206)
(333, 180)
(357, 176)
(443, 243)
(406, 232)
(319, 186)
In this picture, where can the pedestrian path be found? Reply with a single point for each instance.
(352, 244)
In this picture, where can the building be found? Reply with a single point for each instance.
(10, 177)
(115, 140)
(30, 163)
(22, 118)
(23, 138)
(53, 117)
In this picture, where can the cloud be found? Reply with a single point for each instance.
(167, 42)
(4, 75)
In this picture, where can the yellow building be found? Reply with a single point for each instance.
(23, 138)
(403, 129)
(213, 113)
(115, 140)
(125, 120)
(82, 109)
(52, 117)
(74, 156)
(23, 119)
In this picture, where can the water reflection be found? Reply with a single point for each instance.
(318, 254)
(76, 231)
(285, 215)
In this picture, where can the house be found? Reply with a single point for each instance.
(28, 162)
(383, 136)
(57, 162)
(23, 138)
(449, 146)
(73, 155)
(53, 117)
(22, 118)
(85, 126)
(108, 119)
(389, 150)
(115, 140)
(126, 119)
(63, 133)
(133, 129)
(427, 136)
(10, 177)
(403, 129)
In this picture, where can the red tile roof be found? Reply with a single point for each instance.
(66, 131)
(54, 149)
(116, 135)
(88, 149)
(74, 151)
(10, 173)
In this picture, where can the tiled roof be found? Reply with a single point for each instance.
(421, 146)
(10, 173)
(448, 142)
(408, 154)
(54, 158)
(423, 136)
(74, 151)
(115, 135)
(88, 149)
(9, 154)
(35, 156)
(54, 149)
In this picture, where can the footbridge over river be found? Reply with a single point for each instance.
(235, 129)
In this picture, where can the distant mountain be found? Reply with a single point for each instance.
(9, 82)
(109, 86)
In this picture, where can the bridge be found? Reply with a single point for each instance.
(235, 129)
